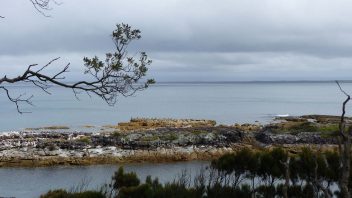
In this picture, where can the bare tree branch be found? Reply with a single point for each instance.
(43, 5)
(343, 91)
(118, 75)
(344, 140)
(342, 117)
(18, 99)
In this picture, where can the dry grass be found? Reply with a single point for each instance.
(58, 127)
(145, 123)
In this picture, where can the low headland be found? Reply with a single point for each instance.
(162, 140)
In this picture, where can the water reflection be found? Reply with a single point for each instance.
(31, 182)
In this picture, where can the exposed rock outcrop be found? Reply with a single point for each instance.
(148, 123)
(159, 140)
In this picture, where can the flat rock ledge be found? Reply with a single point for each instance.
(155, 142)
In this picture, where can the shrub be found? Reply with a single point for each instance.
(121, 179)
(85, 139)
(56, 194)
(64, 194)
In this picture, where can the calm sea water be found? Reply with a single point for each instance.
(226, 103)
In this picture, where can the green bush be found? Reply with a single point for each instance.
(121, 179)
(85, 139)
(64, 194)
(56, 194)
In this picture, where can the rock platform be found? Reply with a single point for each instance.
(160, 140)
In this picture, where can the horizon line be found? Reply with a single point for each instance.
(261, 81)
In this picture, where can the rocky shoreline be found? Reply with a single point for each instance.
(161, 140)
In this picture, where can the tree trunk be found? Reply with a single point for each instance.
(287, 177)
(253, 190)
(346, 165)
(325, 191)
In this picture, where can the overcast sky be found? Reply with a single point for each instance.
(188, 40)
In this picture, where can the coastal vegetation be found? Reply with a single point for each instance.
(55, 127)
(246, 173)
(64, 194)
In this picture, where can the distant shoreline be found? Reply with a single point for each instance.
(222, 82)
(253, 81)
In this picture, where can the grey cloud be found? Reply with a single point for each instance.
(251, 66)
(210, 26)
(190, 66)
(190, 39)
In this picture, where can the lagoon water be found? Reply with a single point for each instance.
(32, 182)
(226, 103)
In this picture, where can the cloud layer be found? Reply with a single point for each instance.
(198, 40)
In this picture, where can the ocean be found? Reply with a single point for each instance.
(227, 103)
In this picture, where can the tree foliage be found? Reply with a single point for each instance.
(118, 75)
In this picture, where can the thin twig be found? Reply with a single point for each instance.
(343, 91)
(18, 100)
(116, 76)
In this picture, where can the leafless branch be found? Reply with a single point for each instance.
(342, 117)
(107, 87)
(343, 91)
(344, 149)
(43, 5)
(18, 100)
